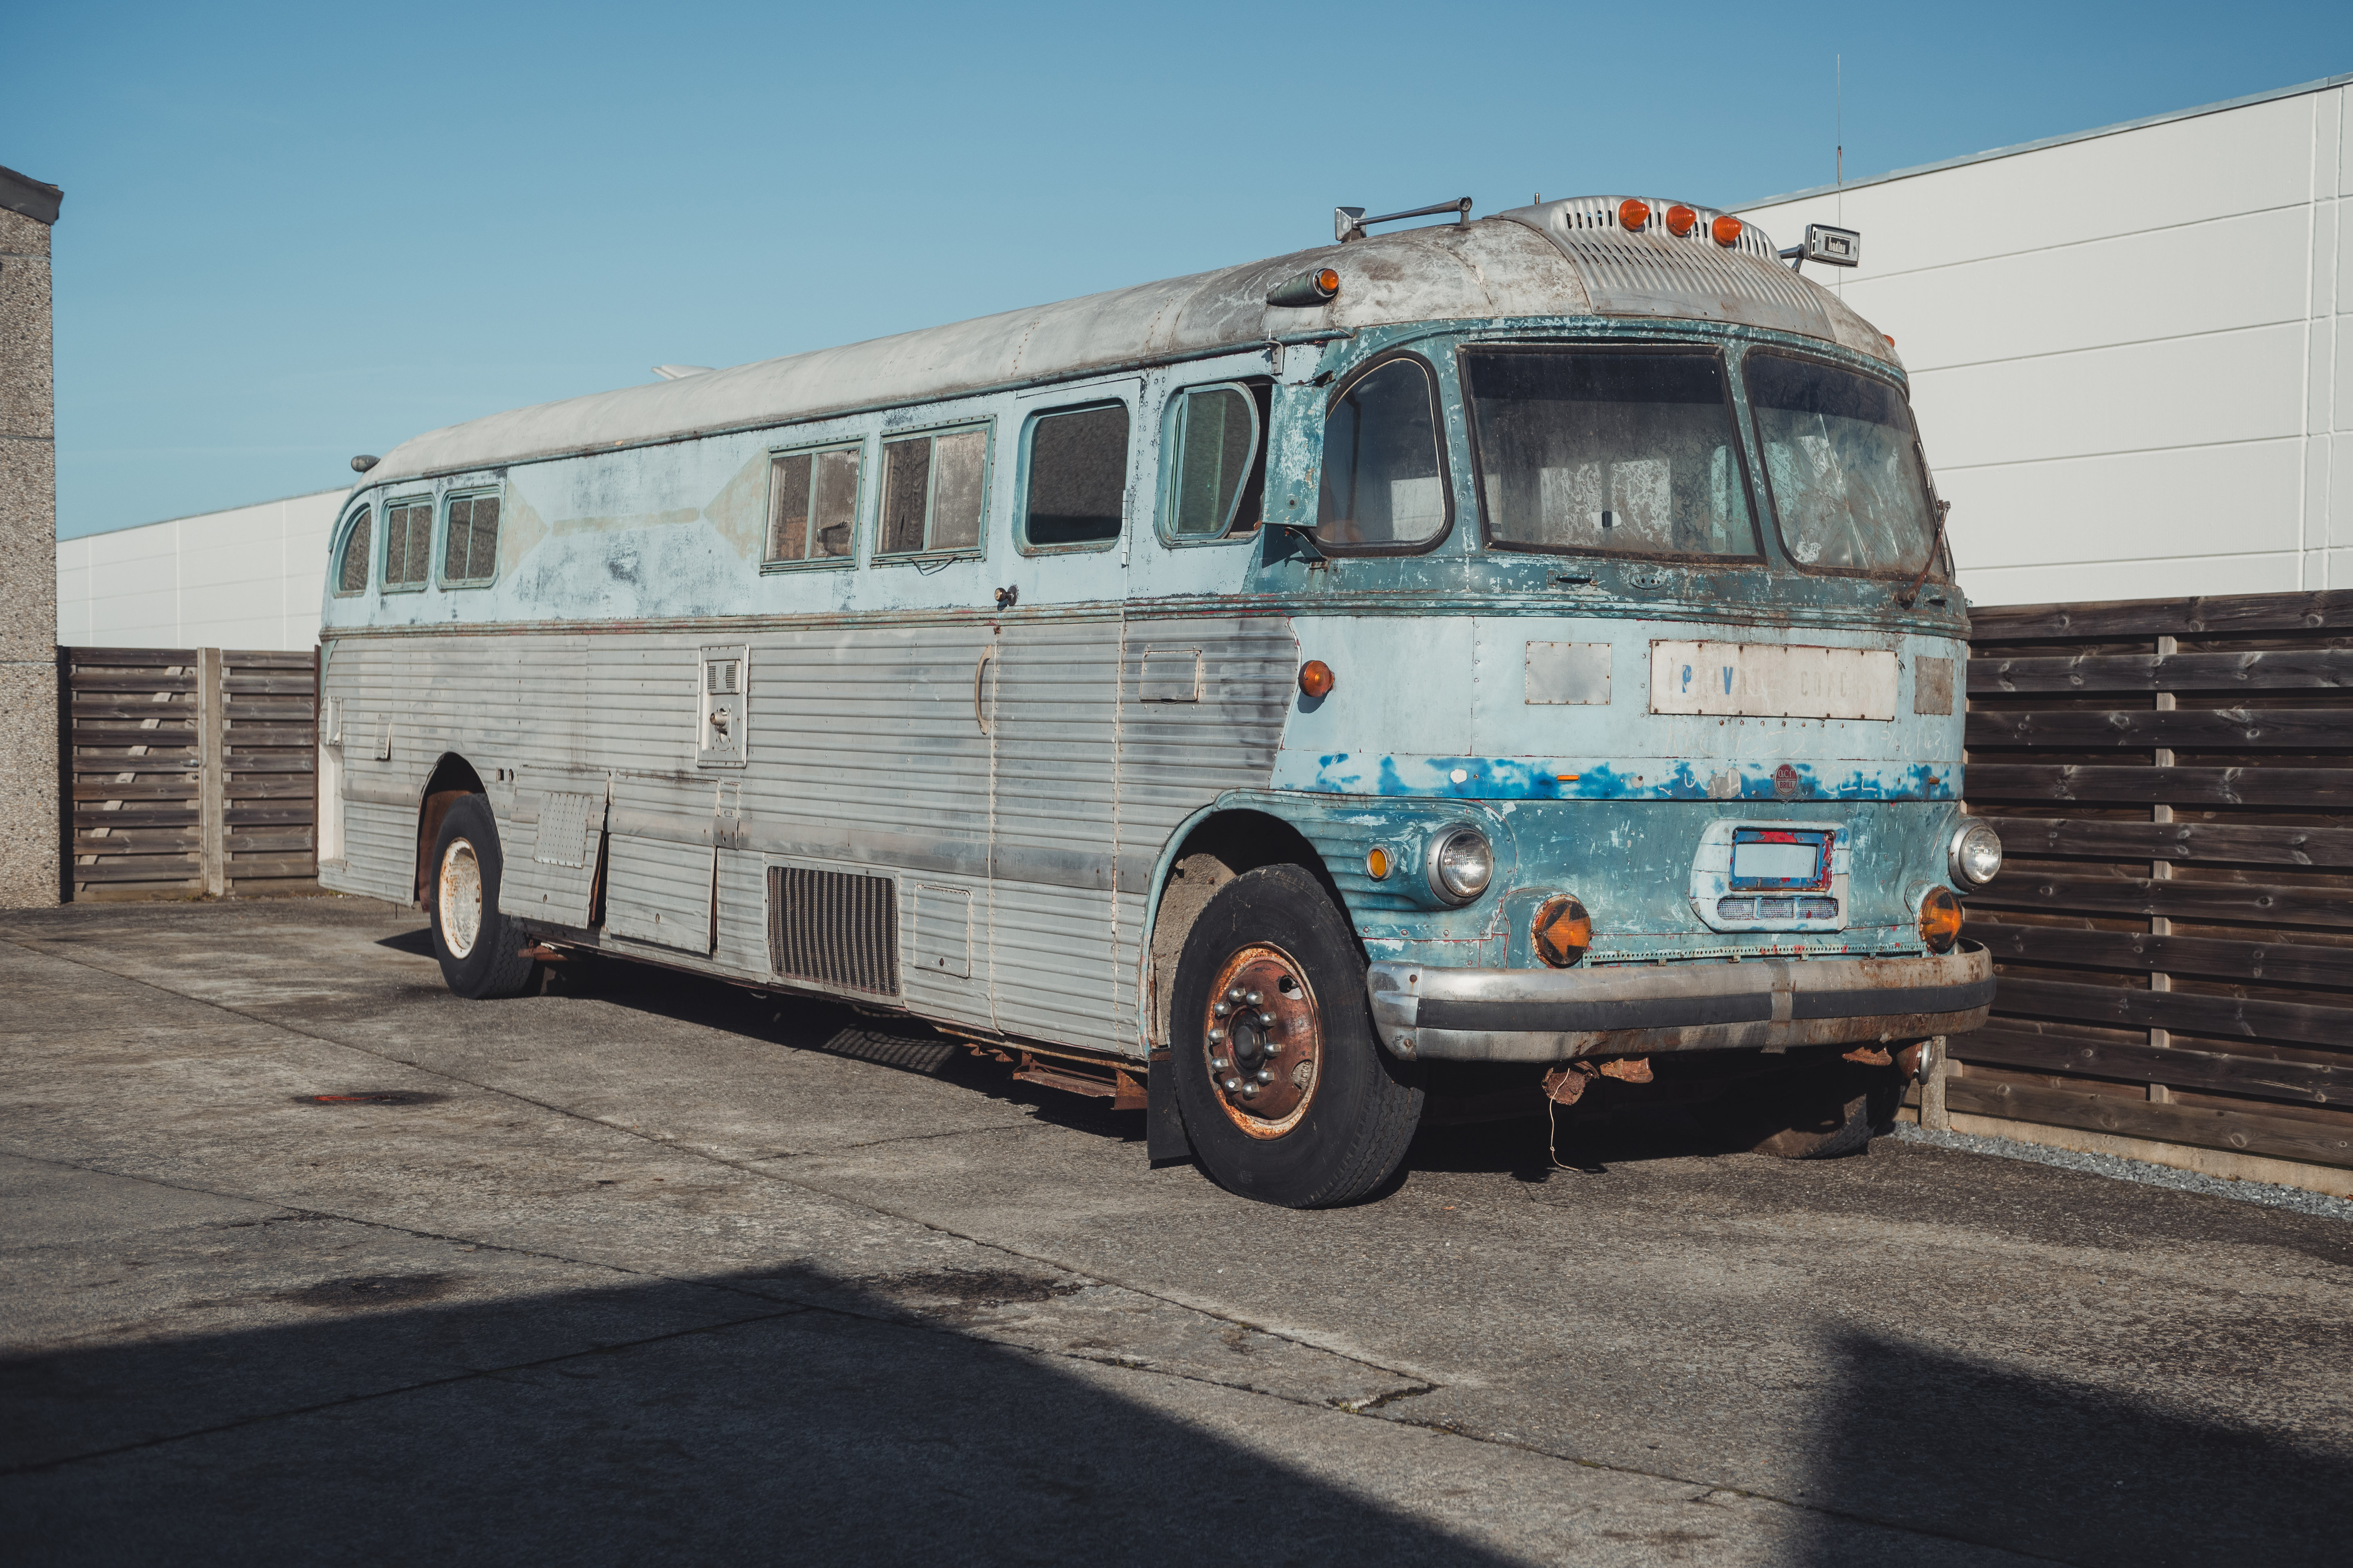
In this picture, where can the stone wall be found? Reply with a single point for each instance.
(30, 830)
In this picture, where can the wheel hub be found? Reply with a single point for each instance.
(1263, 1039)
(459, 897)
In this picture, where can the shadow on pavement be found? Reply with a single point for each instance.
(1997, 1455)
(722, 1417)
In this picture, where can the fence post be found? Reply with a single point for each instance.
(212, 785)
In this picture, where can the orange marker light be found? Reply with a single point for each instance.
(1727, 230)
(1940, 920)
(1327, 283)
(1680, 220)
(1563, 930)
(1376, 863)
(1633, 214)
(1315, 677)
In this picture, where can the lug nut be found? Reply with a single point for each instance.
(1235, 994)
(1216, 1035)
(1219, 1064)
(1249, 1092)
(1254, 998)
(1265, 1074)
(1266, 1020)
(1233, 1085)
(1221, 1009)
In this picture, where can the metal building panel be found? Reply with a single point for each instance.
(660, 892)
(943, 931)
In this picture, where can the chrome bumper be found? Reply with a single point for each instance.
(1634, 1009)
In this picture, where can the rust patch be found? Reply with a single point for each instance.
(1870, 1055)
(374, 1097)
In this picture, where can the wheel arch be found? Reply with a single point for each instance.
(1207, 849)
(453, 778)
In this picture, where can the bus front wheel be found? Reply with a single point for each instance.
(1286, 1093)
(480, 950)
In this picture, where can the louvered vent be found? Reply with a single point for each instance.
(835, 928)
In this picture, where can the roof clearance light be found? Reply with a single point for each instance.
(1680, 220)
(1310, 289)
(1727, 231)
(1315, 677)
(1632, 213)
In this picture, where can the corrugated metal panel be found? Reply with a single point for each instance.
(1650, 272)
(660, 892)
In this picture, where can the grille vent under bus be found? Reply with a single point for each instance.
(836, 928)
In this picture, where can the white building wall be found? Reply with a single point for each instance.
(248, 578)
(2129, 349)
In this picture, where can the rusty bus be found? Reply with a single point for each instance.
(1503, 653)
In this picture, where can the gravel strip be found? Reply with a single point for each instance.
(2123, 1170)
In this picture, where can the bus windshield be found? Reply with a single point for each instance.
(1616, 451)
(1844, 465)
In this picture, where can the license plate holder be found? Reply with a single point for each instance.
(1779, 860)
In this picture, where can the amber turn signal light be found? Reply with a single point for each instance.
(1633, 213)
(1680, 220)
(1563, 930)
(1726, 230)
(1940, 920)
(1376, 863)
(1315, 677)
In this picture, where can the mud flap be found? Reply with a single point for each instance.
(1165, 1142)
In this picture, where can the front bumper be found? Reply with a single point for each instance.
(1634, 1009)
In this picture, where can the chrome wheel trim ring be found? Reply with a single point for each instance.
(459, 897)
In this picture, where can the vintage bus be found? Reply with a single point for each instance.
(1503, 654)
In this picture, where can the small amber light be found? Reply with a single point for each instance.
(1376, 863)
(1890, 337)
(1940, 920)
(1563, 930)
(1680, 220)
(1633, 213)
(1315, 677)
(1727, 230)
(1327, 283)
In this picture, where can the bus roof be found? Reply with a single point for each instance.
(1560, 258)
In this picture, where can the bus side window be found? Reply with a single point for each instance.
(813, 505)
(935, 487)
(408, 541)
(351, 571)
(1213, 455)
(1383, 485)
(1076, 498)
(470, 557)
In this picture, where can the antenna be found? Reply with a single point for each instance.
(1837, 120)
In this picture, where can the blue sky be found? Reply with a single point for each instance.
(296, 232)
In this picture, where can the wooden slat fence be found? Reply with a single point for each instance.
(192, 771)
(2173, 925)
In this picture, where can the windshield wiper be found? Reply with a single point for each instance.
(1935, 543)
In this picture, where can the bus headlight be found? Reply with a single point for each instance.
(1461, 864)
(1974, 853)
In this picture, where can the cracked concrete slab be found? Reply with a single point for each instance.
(654, 1265)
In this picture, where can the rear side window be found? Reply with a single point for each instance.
(934, 489)
(1849, 492)
(351, 567)
(1076, 497)
(813, 506)
(408, 541)
(470, 556)
(1384, 482)
(1213, 449)
(1619, 453)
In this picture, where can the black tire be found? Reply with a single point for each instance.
(1349, 1132)
(489, 962)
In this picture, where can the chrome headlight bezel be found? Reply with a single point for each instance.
(1979, 833)
(1456, 891)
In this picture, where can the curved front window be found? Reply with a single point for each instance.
(1608, 451)
(1384, 482)
(1843, 463)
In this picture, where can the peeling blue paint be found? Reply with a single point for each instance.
(1570, 778)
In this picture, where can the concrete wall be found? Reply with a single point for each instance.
(2129, 349)
(29, 528)
(250, 577)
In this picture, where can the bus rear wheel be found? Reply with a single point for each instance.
(1286, 1093)
(480, 950)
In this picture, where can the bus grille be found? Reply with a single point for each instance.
(835, 928)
